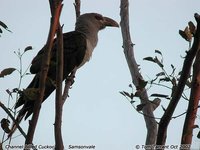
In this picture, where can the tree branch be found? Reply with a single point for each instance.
(136, 76)
(77, 6)
(59, 103)
(13, 119)
(195, 92)
(60, 99)
(43, 75)
(164, 122)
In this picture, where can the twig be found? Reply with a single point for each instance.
(164, 122)
(58, 101)
(13, 119)
(43, 75)
(77, 6)
(173, 117)
(135, 74)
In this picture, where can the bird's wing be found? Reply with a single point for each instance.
(74, 50)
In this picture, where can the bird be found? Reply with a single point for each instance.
(78, 46)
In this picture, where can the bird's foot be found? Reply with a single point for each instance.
(70, 79)
(71, 76)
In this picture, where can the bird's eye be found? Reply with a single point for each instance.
(99, 17)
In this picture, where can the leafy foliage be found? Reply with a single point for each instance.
(163, 78)
(15, 92)
(155, 59)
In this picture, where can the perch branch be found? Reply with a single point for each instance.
(43, 75)
(59, 103)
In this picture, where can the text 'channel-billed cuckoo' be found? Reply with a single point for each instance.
(78, 48)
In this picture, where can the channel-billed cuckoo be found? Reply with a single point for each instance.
(78, 48)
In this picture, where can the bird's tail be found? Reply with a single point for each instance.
(27, 103)
(26, 106)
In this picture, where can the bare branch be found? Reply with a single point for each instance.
(164, 122)
(195, 92)
(136, 76)
(59, 103)
(46, 61)
(13, 119)
(77, 6)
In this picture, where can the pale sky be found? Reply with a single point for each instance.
(95, 113)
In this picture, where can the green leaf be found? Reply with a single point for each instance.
(159, 95)
(3, 25)
(158, 62)
(122, 93)
(160, 74)
(166, 79)
(149, 59)
(28, 48)
(159, 52)
(126, 94)
(172, 66)
(6, 71)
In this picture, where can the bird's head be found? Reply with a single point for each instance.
(91, 23)
(94, 21)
